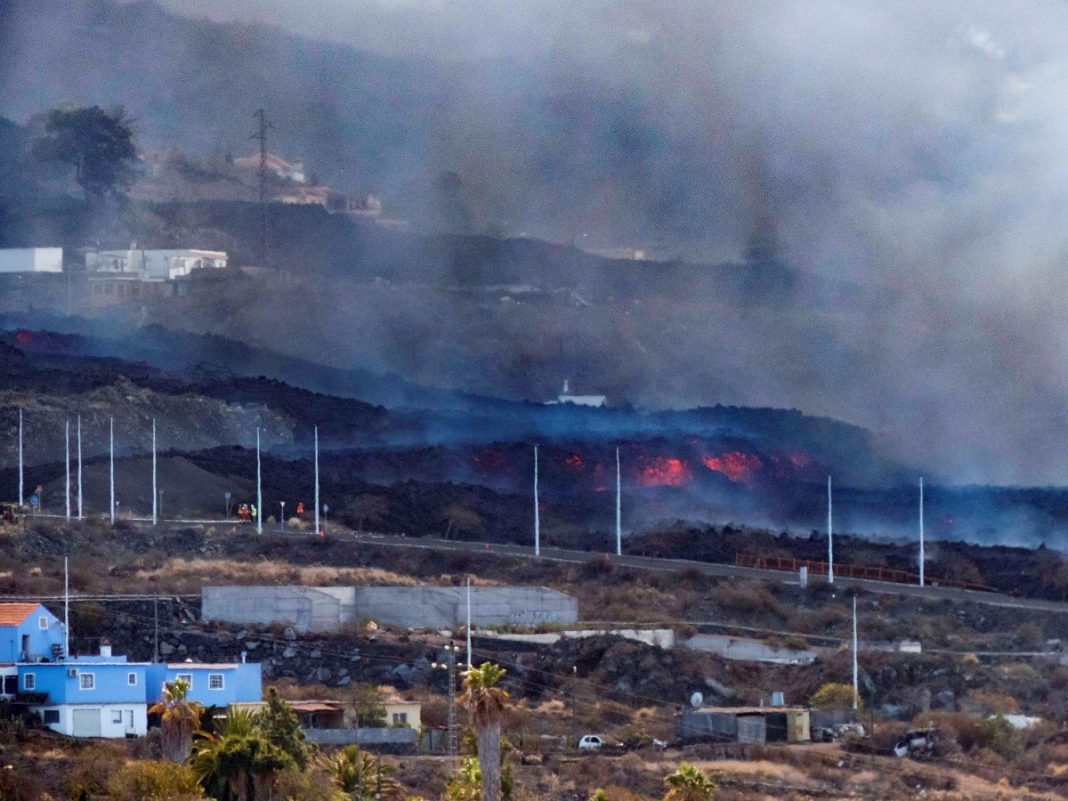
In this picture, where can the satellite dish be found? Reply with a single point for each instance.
(696, 700)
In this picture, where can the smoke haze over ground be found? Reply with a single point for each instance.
(919, 150)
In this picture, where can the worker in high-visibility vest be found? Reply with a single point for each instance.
(252, 511)
(300, 507)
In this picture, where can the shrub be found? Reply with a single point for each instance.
(154, 781)
(833, 696)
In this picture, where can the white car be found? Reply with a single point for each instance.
(590, 742)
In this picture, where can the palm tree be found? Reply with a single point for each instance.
(239, 761)
(179, 720)
(487, 703)
(359, 775)
(688, 784)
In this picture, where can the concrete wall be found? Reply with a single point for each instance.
(387, 741)
(31, 260)
(328, 608)
(661, 638)
(748, 650)
(304, 608)
(445, 607)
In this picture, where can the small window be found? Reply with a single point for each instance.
(215, 681)
(86, 681)
(400, 717)
(29, 682)
(42, 622)
(131, 679)
(186, 677)
(51, 716)
(116, 716)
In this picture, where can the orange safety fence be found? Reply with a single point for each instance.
(872, 572)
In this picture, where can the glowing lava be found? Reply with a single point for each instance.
(664, 471)
(735, 465)
(574, 462)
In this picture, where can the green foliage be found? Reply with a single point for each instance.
(369, 704)
(466, 783)
(152, 780)
(305, 785)
(599, 795)
(90, 769)
(360, 775)
(688, 784)
(97, 143)
(482, 695)
(834, 696)
(999, 736)
(238, 763)
(281, 727)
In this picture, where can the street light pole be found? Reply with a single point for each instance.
(450, 665)
(282, 516)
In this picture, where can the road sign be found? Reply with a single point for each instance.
(35, 501)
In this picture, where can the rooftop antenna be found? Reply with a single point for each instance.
(856, 689)
(469, 665)
(619, 507)
(80, 516)
(259, 487)
(20, 459)
(66, 609)
(921, 531)
(68, 468)
(537, 513)
(155, 495)
(317, 529)
(830, 535)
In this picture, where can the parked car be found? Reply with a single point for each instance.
(591, 742)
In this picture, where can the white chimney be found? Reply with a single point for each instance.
(105, 650)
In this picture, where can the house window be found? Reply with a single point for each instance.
(51, 716)
(86, 681)
(131, 679)
(42, 622)
(29, 682)
(116, 716)
(400, 718)
(215, 681)
(186, 677)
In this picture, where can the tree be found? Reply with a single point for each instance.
(97, 143)
(688, 784)
(369, 706)
(179, 720)
(361, 776)
(833, 696)
(463, 519)
(238, 763)
(281, 726)
(486, 700)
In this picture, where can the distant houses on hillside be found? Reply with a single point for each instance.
(102, 695)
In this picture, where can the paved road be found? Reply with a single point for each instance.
(712, 569)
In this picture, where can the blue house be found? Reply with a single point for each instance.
(29, 633)
(210, 684)
(102, 695)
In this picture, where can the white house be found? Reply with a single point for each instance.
(596, 401)
(31, 260)
(152, 265)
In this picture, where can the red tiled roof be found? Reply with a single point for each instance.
(13, 614)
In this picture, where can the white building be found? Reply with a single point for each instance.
(152, 265)
(597, 401)
(31, 260)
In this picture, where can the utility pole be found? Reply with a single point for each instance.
(830, 536)
(259, 487)
(619, 507)
(68, 467)
(921, 531)
(111, 467)
(469, 663)
(66, 609)
(80, 516)
(856, 687)
(261, 137)
(155, 491)
(317, 529)
(537, 512)
(155, 634)
(450, 665)
(20, 459)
